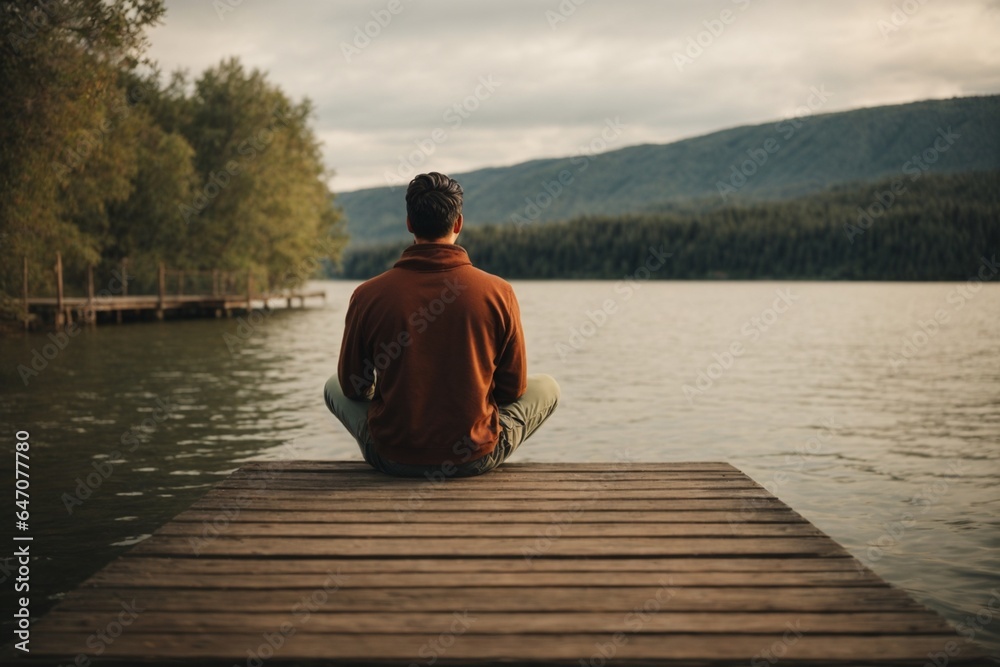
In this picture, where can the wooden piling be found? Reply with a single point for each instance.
(124, 281)
(161, 289)
(24, 286)
(249, 290)
(60, 305)
(90, 315)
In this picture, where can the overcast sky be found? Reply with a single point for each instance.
(541, 78)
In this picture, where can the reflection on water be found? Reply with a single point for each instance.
(857, 404)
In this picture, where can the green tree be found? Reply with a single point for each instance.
(145, 227)
(262, 201)
(65, 141)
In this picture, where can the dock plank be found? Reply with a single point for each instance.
(141, 579)
(166, 565)
(444, 546)
(548, 648)
(448, 493)
(428, 501)
(326, 562)
(861, 623)
(556, 599)
(512, 528)
(580, 514)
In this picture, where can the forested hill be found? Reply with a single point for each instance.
(793, 157)
(932, 227)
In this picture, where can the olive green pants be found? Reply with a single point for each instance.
(518, 420)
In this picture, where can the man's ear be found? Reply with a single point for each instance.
(409, 225)
(457, 229)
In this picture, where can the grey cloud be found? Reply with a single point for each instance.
(558, 83)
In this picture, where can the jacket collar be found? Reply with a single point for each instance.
(433, 257)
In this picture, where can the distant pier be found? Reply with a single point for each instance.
(328, 562)
(177, 297)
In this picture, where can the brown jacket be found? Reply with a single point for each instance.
(442, 343)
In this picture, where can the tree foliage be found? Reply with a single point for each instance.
(100, 160)
(261, 198)
(64, 142)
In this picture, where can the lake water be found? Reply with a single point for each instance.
(872, 409)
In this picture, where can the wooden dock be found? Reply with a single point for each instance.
(323, 562)
(218, 301)
(84, 309)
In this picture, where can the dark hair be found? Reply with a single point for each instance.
(433, 204)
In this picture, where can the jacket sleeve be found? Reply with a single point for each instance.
(511, 375)
(354, 369)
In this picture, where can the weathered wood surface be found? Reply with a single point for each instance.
(168, 302)
(309, 562)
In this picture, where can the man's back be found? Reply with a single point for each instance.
(432, 378)
(444, 341)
